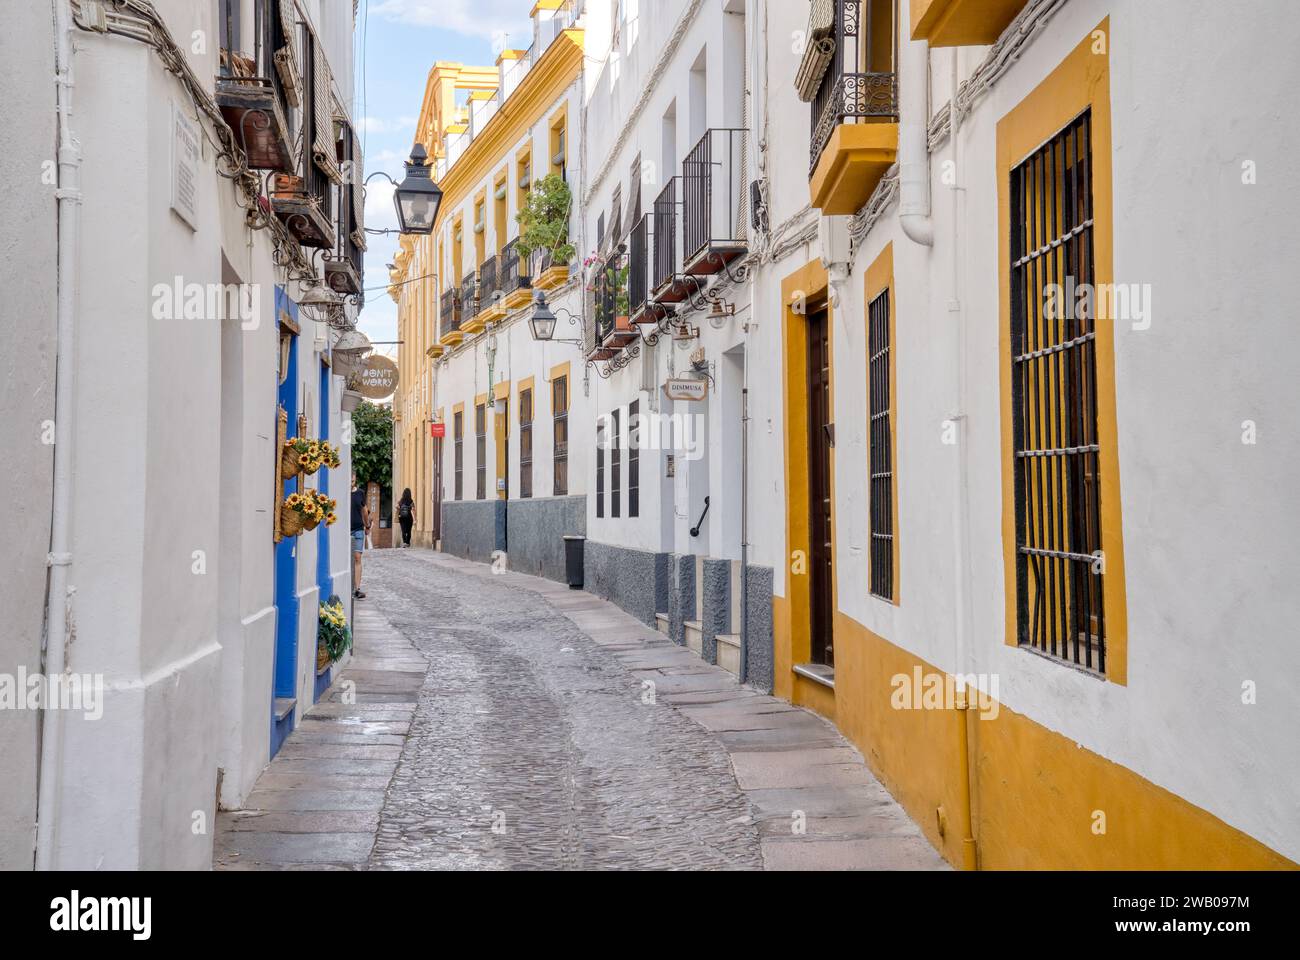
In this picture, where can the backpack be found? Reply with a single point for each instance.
(404, 511)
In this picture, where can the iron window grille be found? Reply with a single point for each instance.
(615, 467)
(480, 449)
(560, 412)
(458, 433)
(634, 459)
(525, 444)
(881, 453)
(856, 85)
(1059, 570)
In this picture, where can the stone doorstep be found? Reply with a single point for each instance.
(662, 624)
(694, 636)
(729, 652)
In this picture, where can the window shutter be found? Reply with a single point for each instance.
(358, 193)
(286, 61)
(324, 151)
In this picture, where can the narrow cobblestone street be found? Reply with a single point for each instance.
(505, 722)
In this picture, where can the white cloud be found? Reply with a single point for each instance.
(380, 125)
(473, 18)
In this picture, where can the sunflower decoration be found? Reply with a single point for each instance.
(333, 633)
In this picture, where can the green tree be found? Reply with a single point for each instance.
(372, 444)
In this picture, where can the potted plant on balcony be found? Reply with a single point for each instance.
(544, 223)
(333, 635)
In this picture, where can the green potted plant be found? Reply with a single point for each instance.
(544, 222)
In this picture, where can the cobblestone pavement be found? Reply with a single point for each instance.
(505, 722)
(531, 747)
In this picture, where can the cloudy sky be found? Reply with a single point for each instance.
(397, 42)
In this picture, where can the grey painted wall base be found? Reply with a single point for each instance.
(629, 578)
(535, 532)
(530, 532)
(716, 615)
(760, 650)
(681, 596)
(473, 529)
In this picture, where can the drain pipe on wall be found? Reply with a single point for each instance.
(58, 611)
(914, 147)
(961, 515)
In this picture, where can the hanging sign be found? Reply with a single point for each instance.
(378, 379)
(683, 389)
(437, 430)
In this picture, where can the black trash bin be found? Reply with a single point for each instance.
(573, 547)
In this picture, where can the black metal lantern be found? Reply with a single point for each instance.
(417, 198)
(543, 319)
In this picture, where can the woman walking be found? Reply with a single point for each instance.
(406, 515)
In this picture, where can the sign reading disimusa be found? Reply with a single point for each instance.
(377, 379)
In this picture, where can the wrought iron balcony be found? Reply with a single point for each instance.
(451, 315)
(638, 274)
(715, 202)
(253, 108)
(515, 273)
(489, 290)
(854, 87)
(469, 298)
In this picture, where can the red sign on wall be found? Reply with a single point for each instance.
(437, 430)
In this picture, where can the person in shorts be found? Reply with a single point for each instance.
(360, 526)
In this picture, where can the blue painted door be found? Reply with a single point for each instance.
(286, 557)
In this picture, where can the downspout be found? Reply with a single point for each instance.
(961, 513)
(913, 144)
(58, 609)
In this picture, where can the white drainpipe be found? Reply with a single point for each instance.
(913, 143)
(59, 602)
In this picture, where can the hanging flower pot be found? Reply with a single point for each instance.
(289, 463)
(306, 511)
(291, 523)
(323, 658)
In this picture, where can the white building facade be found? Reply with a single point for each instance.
(976, 407)
(181, 214)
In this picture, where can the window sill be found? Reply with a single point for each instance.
(817, 673)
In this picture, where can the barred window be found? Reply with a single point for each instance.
(615, 468)
(560, 411)
(525, 444)
(480, 448)
(634, 459)
(600, 467)
(1059, 609)
(881, 453)
(458, 433)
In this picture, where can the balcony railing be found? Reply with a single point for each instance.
(850, 91)
(469, 297)
(638, 274)
(489, 290)
(514, 271)
(451, 313)
(606, 297)
(715, 202)
(665, 238)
